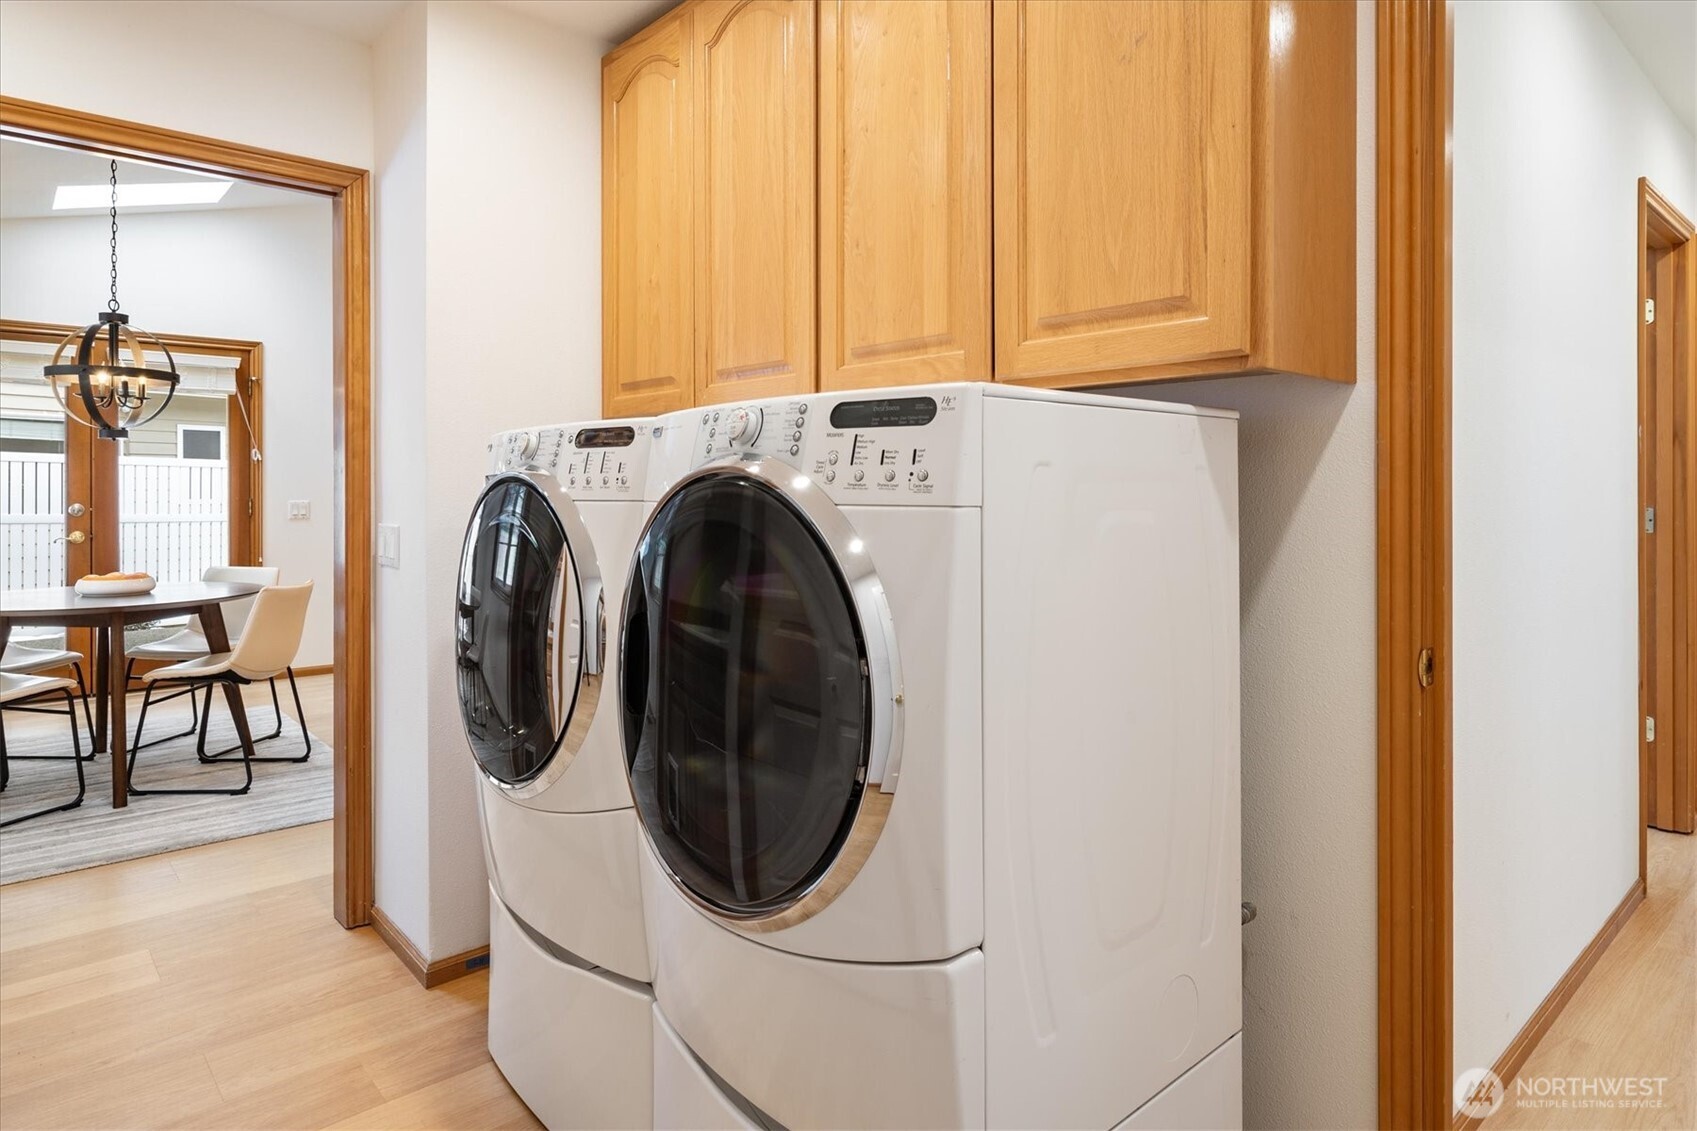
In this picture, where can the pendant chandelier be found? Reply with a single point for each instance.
(108, 386)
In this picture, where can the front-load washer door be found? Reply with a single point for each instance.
(761, 696)
(528, 636)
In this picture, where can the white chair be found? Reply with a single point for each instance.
(16, 690)
(19, 660)
(190, 643)
(265, 651)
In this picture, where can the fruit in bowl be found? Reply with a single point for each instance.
(118, 584)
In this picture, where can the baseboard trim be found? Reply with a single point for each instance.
(315, 669)
(1513, 1059)
(429, 974)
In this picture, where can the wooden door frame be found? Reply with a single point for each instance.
(249, 548)
(349, 191)
(1669, 638)
(1414, 678)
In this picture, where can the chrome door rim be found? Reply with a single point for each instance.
(870, 605)
(580, 554)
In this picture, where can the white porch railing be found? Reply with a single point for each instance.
(175, 517)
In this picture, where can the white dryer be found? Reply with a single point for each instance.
(930, 709)
(540, 579)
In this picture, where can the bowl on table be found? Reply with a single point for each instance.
(115, 584)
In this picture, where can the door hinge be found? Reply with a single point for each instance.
(1649, 728)
(250, 508)
(1649, 311)
(1423, 667)
(1649, 520)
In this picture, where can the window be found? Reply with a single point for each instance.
(200, 441)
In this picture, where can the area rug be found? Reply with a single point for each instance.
(283, 794)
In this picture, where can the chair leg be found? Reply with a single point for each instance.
(224, 754)
(82, 693)
(194, 715)
(76, 760)
(232, 695)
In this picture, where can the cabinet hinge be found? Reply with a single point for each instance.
(1649, 520)
(1649, 728)
(1649, 311)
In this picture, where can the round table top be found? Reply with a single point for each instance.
(22, 604)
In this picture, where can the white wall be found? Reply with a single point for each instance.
(401, 778)
(1554, 124)
(506, 120)
(1310, 848)
(260, 274)
(219, 70)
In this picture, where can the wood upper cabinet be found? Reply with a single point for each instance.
(1051, 192)
(904, 191)
(1174, 189)
(754, 197)
(648, 235)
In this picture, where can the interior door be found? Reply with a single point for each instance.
(526, 633)
(59, 482)
(747, 700)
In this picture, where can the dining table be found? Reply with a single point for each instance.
(109, 617)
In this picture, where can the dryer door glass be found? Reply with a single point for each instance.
(746, 699)
(517, 671)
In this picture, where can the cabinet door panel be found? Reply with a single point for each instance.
(754, 62)
(648, 238)
(1122, 184)
(904, 194)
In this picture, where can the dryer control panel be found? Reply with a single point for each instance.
(599, 460)
(886, 449)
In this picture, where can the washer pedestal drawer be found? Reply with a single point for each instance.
(575, 1043)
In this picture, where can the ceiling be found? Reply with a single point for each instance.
(29, 173)
(364, 20)
(1662, 36)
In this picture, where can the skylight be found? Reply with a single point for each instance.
(140, 195)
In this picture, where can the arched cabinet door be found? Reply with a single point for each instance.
(648, 231)
(753, 64)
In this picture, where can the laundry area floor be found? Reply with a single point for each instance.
(210, 987)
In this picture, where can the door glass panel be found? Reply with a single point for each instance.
(747, 704)
(32, 484)
(518, 677)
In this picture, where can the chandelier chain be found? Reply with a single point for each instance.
(112, 304)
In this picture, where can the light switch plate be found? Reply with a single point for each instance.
(388, 545)
(300, 509)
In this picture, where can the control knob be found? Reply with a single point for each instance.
(524, 444)
(744, 426)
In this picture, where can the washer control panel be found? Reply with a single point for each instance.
(883, 449)
(603, 460)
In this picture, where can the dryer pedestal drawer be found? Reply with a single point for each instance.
(817, 1043)
(575, 1044)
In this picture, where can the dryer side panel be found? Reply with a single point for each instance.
(1112, 935)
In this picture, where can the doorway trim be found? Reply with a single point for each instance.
(349, 190)
(1667, 476)
(1414, 93)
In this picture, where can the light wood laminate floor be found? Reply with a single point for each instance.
(211, 988)
(1635, 1015)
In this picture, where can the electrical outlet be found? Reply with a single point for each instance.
(300, 510)
(388, 545)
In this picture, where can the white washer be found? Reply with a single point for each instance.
(541, 576)
(930, 709)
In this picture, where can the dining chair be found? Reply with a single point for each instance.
(190, 643)
(18, 660)
(16, 690)
(266, 649)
